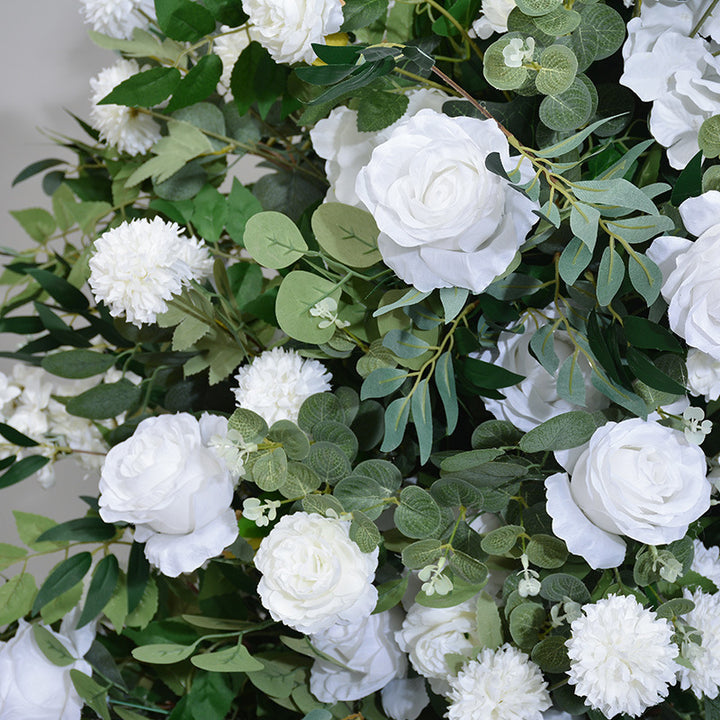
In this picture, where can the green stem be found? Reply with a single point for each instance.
(703, 18)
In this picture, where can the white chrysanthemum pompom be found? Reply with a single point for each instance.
(124, 127)
(287, 28)
(621, 656)
(706, 562)
(502, 684)
(704, 677)
(278, 382)
(228, 47)
(117, 18)
(139, 265)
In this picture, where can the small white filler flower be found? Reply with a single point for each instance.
(278, 382)
(622, 657)
(124, 127)
(704, 676)
(139, 265)
(117, 18)
(501, 684)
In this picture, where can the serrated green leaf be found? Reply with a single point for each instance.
(16, 597)
(200, 82)
(380, 109)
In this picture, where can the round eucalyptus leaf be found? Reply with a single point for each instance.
(711, 178)
(569, 110)
(535, 8)
(558, 69)
(584, 41)
(608, 24)
(709, 137)
(559, 22)
(347, 233)
(497, 73)
(273, 240)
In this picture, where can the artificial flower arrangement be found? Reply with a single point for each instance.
(417, 425)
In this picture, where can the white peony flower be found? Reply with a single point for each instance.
(175, 490)
(704, 677)
(287, 28)
(228, 47)
(313, 575)
(621, 656)
(445, 220)
(706, 562)
(277, 382)
(404, 698)
(636, 478)
(124, 127)
(139, 265)
(502, 684)
(429, 634)
(347, 150)
(493, 18)
(369, 651)
(33, 688)
(535, 399)
(691, 274)
(703, 374)
(117, 18)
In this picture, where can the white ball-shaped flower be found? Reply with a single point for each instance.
(703, 374)
(117, 18)
(429, 634)
(138, 266)
(314, 575)
(704, 676)
(621, 656)
(347, 150)
(33, 688)
(535, 399)
(502, 684)
(167, 481)
(277, 382)
(445, 220)
(404, 698)
(706, 561)
(493, 18)
(368, 650)
(636, 478)
(124, 127)
(228, 47)
(288, 28)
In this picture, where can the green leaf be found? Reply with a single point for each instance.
(380, 109)
(610, 276)
(421, 409)
(391, 593)
(299, 292)
(584, 223)
(347, 233)
(91, 692)
(546, 551)
(102, 586)
(571, 381)
(641, 228)
(10, 554)
(35, 168)
(273, 240)
(184, 20)
(444, 377)
(543, 345)
(300, 480)
(77, 363)
(250, 425)
(674, 608)
(417, 515)
(62, 577)
(364, 532)
(494, 433)
(569, 109)
(16, 597)
(51, 647)
(558, 586)
(319, 407)
(105, 401)
(689, 182)
(145, 89)
(337, 433)
(163, 653)
(62, 604)
(561, 432)
(644, 370)
(396, 417)
(525, 623)
(188, 332)
(320, 504)
(294, 441)
(468, 567)
(30, 527)
(647, 335)
(242, 205)
(256, 78)
(22, 469)
(488, 376)
(328, 461)
(269, 470)
(38, 223)
(497, 72)
(501, 540)
(87, 529)
(558, 67)
(645, 277)
(234, 659)
(421, 553)
(461, 592)
(382, 382)
(197, 84)
(574, 260)
(69, 297)
(608, 24)
(558, 22)
(404, 344)
(536, 8)
(209, 213)
(708, 137)
(551, 655)
(614, 193)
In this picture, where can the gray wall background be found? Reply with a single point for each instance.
(47, 61)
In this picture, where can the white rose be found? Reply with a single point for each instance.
(287, 28)
(493, 18)
(535, 399)
(691, 272)
(703, 374)
(429, 634)
(33, 688)
(369, 651)
(445, 220)
(404, 698)
(314, 576)
(636, 478)
(174, 489)
(347, 150)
